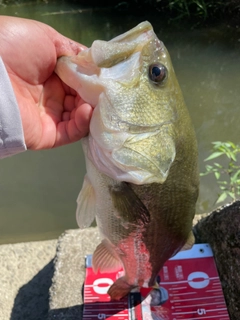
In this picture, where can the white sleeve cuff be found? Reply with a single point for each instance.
(11, 131)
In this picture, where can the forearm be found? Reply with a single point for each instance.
(11, 131)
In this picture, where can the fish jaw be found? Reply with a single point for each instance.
(107, 54)
(82, 72)
(136, 32)
(73, 71)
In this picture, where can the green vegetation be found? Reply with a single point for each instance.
(228, 177)
(195, 11)
(200, 9)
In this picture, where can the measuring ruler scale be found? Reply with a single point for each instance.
(189, 288)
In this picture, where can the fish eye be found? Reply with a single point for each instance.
(157, 73)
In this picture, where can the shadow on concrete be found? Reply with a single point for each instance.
(32, 300)
(71, 313)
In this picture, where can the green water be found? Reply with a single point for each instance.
(38, 190)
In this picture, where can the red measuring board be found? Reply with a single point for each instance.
(189, 289)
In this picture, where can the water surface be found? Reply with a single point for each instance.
(38, 190)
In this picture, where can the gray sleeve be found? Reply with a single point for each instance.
(11, 131)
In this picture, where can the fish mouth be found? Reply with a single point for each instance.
(106, 54)
(143, 29)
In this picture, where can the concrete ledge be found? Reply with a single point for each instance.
(26, 270)
(69, 264)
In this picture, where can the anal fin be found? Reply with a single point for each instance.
(105, 258)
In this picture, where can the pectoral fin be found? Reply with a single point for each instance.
(105, 258)
(190, 242)
(86, 205)
(128, 205)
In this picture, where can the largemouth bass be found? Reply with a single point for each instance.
(141, 155)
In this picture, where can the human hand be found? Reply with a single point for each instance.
(52, 113)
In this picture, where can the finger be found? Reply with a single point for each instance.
(69, 103)
(68, 89)
(76, 128)
(66, 116)
(53, 98)
(65, 46)
(83, 114)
